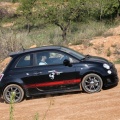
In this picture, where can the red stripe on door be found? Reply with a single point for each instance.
(64, 82)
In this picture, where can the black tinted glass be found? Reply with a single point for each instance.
(24, 61)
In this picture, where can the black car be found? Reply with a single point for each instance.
(54, 69)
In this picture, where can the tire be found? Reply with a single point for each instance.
(17, 90)
(92, 83)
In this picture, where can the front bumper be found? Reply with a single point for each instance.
(112, 79)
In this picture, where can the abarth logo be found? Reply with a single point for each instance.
(53, 73)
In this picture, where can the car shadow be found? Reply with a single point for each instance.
(47, 95)
(53, 95)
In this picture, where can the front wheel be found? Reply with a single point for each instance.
(92, 83)
(13, 93)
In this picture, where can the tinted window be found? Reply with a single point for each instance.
(41, 58)
(74, 53)
(24, 61)
(53, 57)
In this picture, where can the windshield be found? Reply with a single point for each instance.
(73, 52)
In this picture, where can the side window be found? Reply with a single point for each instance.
(52, 57)
(25, 61)
(42, 58)
(58, 58)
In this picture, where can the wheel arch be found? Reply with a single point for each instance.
(88, 89)
(92, 72)
(25, 90)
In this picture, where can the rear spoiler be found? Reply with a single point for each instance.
(12, 54)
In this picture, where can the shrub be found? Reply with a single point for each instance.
(108, 52)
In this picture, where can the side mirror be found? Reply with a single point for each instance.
(66, 62)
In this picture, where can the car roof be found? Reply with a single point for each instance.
(34, 49)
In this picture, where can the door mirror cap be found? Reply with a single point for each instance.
(66, 62)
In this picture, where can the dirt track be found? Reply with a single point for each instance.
(104, 105)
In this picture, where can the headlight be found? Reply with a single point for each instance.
(106, 66)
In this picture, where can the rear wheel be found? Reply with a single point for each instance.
(13, 91)
(92, 83)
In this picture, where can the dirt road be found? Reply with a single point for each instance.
(104, 105)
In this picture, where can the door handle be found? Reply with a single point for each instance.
(37, 73)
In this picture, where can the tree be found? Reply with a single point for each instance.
(107, 9)
(26, 13)
(61, 13)
(118, 9)
(98, 10)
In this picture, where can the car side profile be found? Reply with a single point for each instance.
(54, 69)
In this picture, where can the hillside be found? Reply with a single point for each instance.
(107, 47)
(104, 105)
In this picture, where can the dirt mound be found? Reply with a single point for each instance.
(9, 6)
(113, 31)
(4, 63)
(33, 46)
(108, 47)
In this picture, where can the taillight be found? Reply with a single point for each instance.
(1, 76)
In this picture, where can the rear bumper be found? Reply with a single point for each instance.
(0, 92)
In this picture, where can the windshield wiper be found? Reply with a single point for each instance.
(86, 56)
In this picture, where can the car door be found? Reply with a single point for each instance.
(54, 75)
(23, 72)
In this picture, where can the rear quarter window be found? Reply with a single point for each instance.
(24, 61)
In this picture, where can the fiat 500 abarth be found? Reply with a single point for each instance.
(54, 69)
